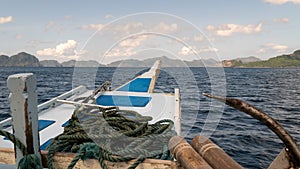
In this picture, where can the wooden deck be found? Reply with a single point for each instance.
(62, 161)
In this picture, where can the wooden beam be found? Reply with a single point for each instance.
(49, 104)
(82, 104)
(7, 156)
(186, 155)
(177, 115)
(62, 161)
(156, 71)
(23, 105)
(282, 161)
(213, 154)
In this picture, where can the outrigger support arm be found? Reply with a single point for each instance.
(291, 145)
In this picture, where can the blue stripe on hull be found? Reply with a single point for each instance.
(65, 124)
(44, 124)
(129, 101)
(46, 144)
(137, 85)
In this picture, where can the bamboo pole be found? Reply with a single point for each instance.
(213, 154)
(287, 139)
(186, 155)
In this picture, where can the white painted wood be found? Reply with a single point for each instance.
(177, 113)
(281, 161)
(82, 104)
(23, 105)
(153, 70)
(49, 104)
(152, 73)
(52, 103)
(161, 106)
(6, 122)
(59, 114)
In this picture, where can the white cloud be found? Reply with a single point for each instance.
(35, 43)
(63, 50)
(123, 28)
(185, 51)
(2, 53)
(193, 50)
(281, 20)
(49, 25)
(195, 38)
(131, 27)
(93, 26)
(18, 36)
(118, 52)
(210, 49)
(279, 48)
(185, 38)
(130, 43)
(128, 28)
(68, 17)
(229, 29)
(165, 28)
(198, 38)
(279, 2)
(6, 19)
(261, 50)
(108, 16)
(127, 47)
(134, 27)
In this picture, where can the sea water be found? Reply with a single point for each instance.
(253, 145)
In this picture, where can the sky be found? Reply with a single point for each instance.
(113, 30)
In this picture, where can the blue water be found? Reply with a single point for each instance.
(275, 91)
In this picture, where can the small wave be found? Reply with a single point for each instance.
(256, 100)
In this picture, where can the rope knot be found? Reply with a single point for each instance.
(90, 150)
(30, 161)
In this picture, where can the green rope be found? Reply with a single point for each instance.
(110, 134)
(29, 161)
(14, 140)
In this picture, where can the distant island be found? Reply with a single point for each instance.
(24, 59)
(282, 61)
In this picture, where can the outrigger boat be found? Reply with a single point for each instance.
(136, 95)
(43, 129)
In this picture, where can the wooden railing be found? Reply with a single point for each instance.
(49, 104)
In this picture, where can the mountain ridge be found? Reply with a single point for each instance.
(24, 59)
(281, 61)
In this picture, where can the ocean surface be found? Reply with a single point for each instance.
(275, 91)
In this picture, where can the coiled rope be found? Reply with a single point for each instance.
(29, 161)
(113, 135)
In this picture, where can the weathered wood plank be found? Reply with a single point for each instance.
(177, 115)
(282, 161)
(7, 156)
(23, 105)
(62, 161)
